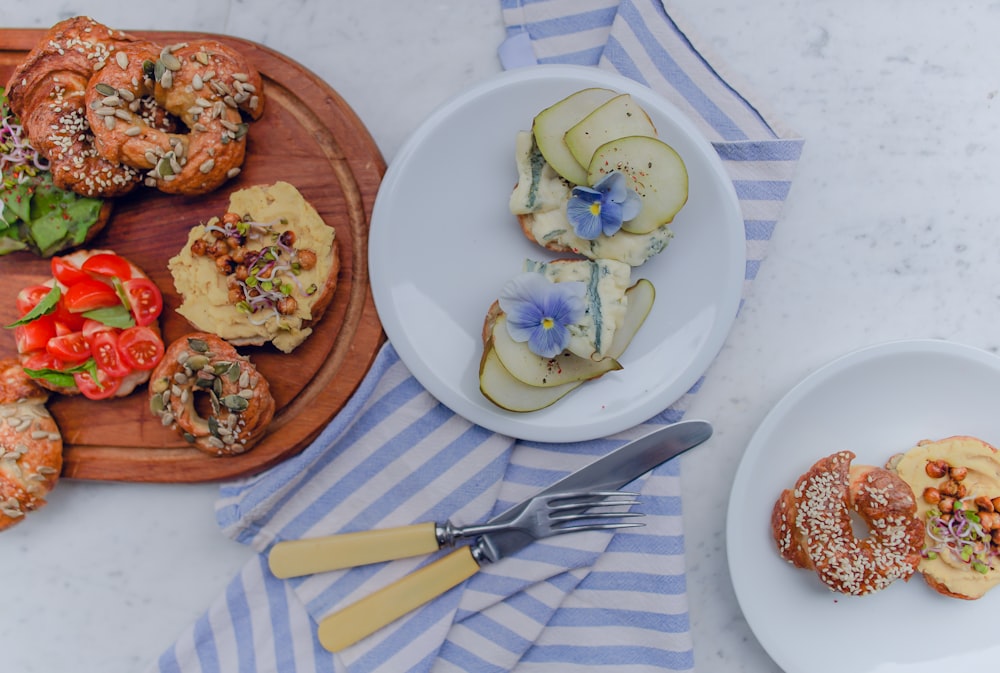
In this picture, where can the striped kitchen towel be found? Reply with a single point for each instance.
(394, 455)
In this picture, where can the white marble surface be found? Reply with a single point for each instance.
(892, 230)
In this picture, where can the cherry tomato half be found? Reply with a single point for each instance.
(108, 265)
(89, 294)
(34, 335)
(29, 297)
(105, 387)
(104, 348)
(70, 347)
(140, 347)
(41, 360)
(66, 273)
(146, 300)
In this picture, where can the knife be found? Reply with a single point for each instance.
(358, 620)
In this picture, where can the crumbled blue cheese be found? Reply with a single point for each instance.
(540, 197)
(605, 301)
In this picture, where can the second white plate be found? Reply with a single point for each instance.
(443, 242)
(874, 402)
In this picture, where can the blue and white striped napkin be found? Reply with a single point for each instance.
(395, 455)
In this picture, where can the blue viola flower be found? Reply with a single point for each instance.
(601, 209)
(540, 311)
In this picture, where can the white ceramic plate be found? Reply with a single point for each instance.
(443, 243)
(874, 402)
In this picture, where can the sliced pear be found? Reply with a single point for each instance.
(500, 387)
(640, 302)
(550, 125)
(619, 117)
(508, 393)
(535, 370)
(654, 170)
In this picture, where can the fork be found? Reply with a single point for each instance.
(544, 516)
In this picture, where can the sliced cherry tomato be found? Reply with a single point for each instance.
(41, 360)
(29, 297)
(105, 387)
(71, 347)
(140, 347)
(34, 335)
(104, 348)
(89, 294)
(66, 273)
(92, 327)
(109, 265)
(146, 300)
(62, 315)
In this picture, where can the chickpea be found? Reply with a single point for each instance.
(985, 504)
(932, 496)
(996, 504)
(224, 264)
(242, 271)
(936, 468)
(287, 237)
(231, 218)
(235, 295)
(306, 259)
(949, 487)
(947, 504)
(958, 473)
(239, 255)
(198, 247)
(989, 520)
(287, 305)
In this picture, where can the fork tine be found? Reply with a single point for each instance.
(593, 515)
(592, 499)
(578, 528)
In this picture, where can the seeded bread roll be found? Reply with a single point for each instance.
(30, 445)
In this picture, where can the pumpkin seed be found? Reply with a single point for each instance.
(235, 403)
(105, 89)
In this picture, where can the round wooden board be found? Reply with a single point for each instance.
(308, 136)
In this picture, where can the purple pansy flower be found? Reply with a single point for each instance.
(539, 311)
(602, 208)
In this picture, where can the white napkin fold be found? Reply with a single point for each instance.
(395, 455)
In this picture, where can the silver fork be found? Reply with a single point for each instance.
(542, 516)
(554, 514)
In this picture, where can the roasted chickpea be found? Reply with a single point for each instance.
(985, 504)
(287, 305)
(936, 469)
(306, 258)
(949, 487)
(947, 504)
(932, 496)
(958, 473)
(231, 218)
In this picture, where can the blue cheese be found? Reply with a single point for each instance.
(605, 302)
(540, 199)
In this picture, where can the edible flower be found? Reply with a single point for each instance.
(603, 207)
(540, 311)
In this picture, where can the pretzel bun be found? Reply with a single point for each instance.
(811, 525)
(30, 445)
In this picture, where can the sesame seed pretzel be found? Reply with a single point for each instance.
(47, 92)
(811, 525)
(30, 445)
(212, 395)
(202, 83)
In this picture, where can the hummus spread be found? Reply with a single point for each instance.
(982, 479)
(207, 303)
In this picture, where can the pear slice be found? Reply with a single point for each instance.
(550, 125)
(654, 170)
(500, 387)
(508, 393)
(534, 370)
(619, 117)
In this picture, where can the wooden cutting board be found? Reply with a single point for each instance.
(308, 136)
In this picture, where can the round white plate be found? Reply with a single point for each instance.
(443, 242)
(875, 402)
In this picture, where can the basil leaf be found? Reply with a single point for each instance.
(113, 316)
(45, 306)
(53, 376)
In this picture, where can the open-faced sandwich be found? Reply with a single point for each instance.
(35, 214)
(573, 170)
(92, 328)
(264, 271)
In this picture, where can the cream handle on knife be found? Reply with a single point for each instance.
(368, 615)
(347, 550)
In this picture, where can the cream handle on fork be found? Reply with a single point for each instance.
(295, 558)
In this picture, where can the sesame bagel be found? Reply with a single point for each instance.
(204, 389)
(811, 525)
(30, 445)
